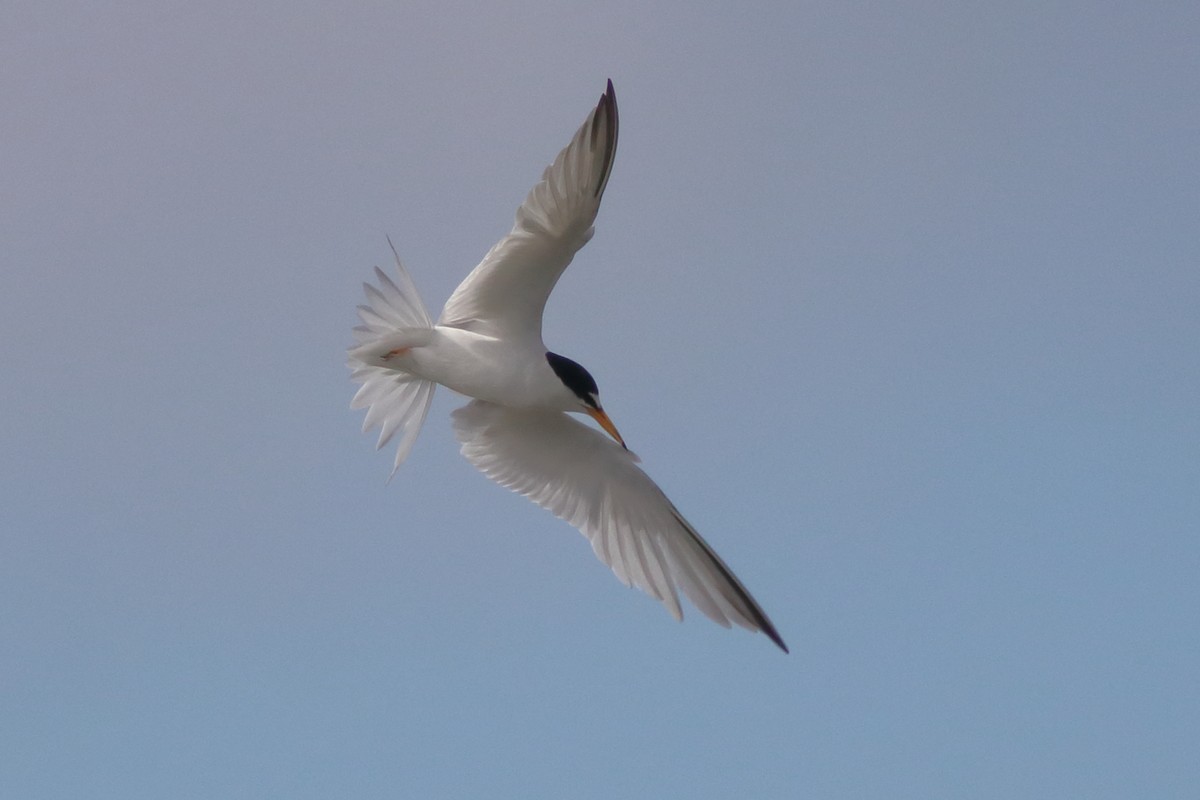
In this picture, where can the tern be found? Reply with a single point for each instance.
(488, 346)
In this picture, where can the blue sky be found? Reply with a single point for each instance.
(900, 305)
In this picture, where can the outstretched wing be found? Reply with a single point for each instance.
(591, 482)
(504, 296)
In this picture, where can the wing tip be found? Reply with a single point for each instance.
(606, 116)
(751, 614)
(774, 636)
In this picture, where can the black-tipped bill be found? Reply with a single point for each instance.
(583, 385)
(598, 414)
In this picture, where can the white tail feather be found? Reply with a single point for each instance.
(393, 318)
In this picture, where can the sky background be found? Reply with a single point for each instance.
(900, 303)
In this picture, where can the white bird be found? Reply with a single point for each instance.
(488, 346)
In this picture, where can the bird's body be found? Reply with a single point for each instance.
(488, 345)
(499, 371)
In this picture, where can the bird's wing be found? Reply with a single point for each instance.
(504, 296)
(591, 482)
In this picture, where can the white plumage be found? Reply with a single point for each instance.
(488, 345)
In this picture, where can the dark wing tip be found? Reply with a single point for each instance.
(770, 631)
(751, 607)
(760, 617)
(605, 123)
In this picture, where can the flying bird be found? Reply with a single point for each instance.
(488, 346)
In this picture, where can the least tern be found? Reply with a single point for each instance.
(488, 345)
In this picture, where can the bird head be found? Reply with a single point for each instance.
(583, 386)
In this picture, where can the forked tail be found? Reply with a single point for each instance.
(392, 319)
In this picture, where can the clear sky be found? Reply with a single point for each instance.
(900, 303)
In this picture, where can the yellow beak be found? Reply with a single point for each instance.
(606, 423)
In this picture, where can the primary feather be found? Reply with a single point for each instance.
(504, 296)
